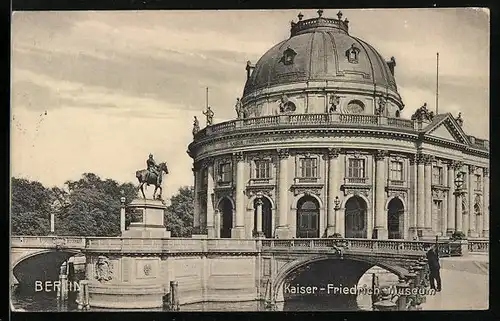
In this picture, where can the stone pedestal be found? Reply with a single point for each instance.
(152, 223)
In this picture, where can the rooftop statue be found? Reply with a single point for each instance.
(152, 175)
(423, 114)
(459, 119)
(210, 116)
(196, 126)
(239, 109)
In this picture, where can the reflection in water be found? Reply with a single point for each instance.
(29, 300)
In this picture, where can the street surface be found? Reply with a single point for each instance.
(464, 284)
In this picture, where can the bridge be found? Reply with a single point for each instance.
(221, 269)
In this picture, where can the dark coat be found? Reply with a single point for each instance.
(433, 259)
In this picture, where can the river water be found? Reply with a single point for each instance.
(26, 299)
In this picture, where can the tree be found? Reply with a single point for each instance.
(31, 204)
(179, 214)
(92, 206)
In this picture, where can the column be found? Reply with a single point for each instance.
(283, 230)
(333, 188)
(210, 198)
(428, 193)
(258, 223)
(412, 196)
(217, 225)
(238, 231)
(450, 222)
(486, 203)
(444, 208)
(465, 198)
(458, 210)
(196, 209)
(53, 223)
(122, 215)
(420, 195)
(380, 214)
(472, 213)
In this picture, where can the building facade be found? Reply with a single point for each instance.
(319, 148)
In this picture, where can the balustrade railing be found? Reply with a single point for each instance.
(307, 119)
(48, 241)
(481, 246)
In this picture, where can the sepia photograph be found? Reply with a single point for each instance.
(250, 160)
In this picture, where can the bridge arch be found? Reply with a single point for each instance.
(40, 265)
(393, 198)
(291, 267)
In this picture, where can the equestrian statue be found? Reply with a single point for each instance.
(152, 175)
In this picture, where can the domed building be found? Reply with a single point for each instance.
(318, 149)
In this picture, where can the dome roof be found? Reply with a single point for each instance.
(321, 49)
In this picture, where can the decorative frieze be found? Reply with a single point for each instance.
(307, 190)
(457, 165)
(357, 190)
(207, 162)
(428, 159)
(472, 169)
(283, 153)
(380, 154)
(238, 156)
(438, 193)
(262, 190)
(333, 152)
(402, 194)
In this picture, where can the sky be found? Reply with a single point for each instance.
(98, 91)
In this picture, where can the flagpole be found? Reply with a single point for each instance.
(437, 83)
(206, 100)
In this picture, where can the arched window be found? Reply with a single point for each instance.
(355, 107)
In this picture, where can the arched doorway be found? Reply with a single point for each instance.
(355, 217)
(307, 217)
(395, 218)
(267, 215)
(226, 213)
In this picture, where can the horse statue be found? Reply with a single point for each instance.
(146, 177)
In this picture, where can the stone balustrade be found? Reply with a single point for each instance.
(190, 245)
(304, 120)
(48, 241)
(481, 246)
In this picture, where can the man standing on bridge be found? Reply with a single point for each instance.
(433, 261)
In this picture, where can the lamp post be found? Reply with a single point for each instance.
(459, 182)
(336, 208)
(122, 212)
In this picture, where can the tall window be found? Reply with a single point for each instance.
(225, 172)
(437, 175)
(356, 168)
(309, 167)
(479, 185)
(396, 171)
(262, 169)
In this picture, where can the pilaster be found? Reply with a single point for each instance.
(209, 165)
(472, 216)
(283, 229)
(450, 215)
(428, 160)
(486, 203)
(333, 188)
(380, 214)
(239, 227)
(420, 194)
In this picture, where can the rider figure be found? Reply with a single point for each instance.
(153, 168)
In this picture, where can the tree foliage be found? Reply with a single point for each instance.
(30, 207)
(89, 206)
(179, 214)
